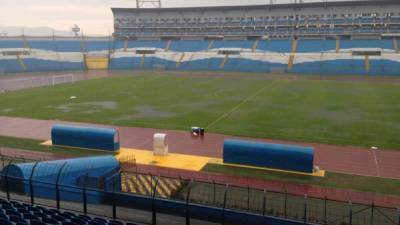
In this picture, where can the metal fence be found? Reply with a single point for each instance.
(264, 202)
(155, 199)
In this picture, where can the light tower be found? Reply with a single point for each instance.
(148, 3)
(75, 29)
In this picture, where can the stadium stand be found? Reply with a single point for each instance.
(366, 17)
(307, 38)
(303, 56)
(17, 213)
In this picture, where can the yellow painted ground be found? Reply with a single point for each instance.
(50, 143)
(172, 160)
(320, 173)
(186, 162)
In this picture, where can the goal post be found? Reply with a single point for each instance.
(62, 79)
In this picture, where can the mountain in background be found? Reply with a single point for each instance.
(32, 31)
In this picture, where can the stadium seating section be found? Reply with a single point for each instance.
(303, 56)
(17, 213)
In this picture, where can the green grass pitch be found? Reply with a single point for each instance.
(335, 112)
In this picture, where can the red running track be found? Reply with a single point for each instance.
(344, 159)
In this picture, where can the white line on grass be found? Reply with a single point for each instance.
(238, 106)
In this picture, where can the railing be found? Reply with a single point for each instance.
(185, 198)
(285, 204)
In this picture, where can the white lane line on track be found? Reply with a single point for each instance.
(239, 105)
(378, 173)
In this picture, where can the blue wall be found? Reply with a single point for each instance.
(276, 156)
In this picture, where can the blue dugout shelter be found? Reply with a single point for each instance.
(85, 137)
(71, 175)
(275, 156)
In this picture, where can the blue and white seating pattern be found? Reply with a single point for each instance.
(311, 56)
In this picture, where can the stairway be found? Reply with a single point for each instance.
(144, 185)
(337, 45)
(168, 46)
(126, 45)
(223, 62)
(292, 54)
(142, 61)
(367, 65)
(210, 45)
(178, 64)
(395, 45)
(21, 63)
(255, 44)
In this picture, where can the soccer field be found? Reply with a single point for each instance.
(358, 113)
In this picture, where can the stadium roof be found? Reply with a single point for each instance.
(267, 6)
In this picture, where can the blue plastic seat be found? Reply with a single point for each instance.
(9, 207)
(29, 216)
(22, 210)
(5, 222)
(33, 209)
(100, 220)
(84, 217)
(68, 223)
(78, 221)
(50, 221)
(26, 205)
(59, 218)
(13, 213)
(36, 222)
(14, 202)
(70, 214)
(22, 223)
(96, 223)
(54, 211)
(39, 214)
(16, 219)
(115, 222)
(3, 216)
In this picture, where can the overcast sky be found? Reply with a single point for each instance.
(93, 16)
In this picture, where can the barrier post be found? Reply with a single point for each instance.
(285, 209)
(114, 201)
(305, 208)
(372, 213)
(264, 201)
(58, 186)
(248, 197)
(153, 203)
(224, 207)
(350, 213)
(187, 203)
(31, 184)
(214, 192)
(398, 215)
(7, 183)
(84, 195)
(325, 210)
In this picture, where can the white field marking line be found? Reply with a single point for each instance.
(378, 173)
(238, 105)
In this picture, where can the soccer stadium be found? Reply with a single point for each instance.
(281, 113)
